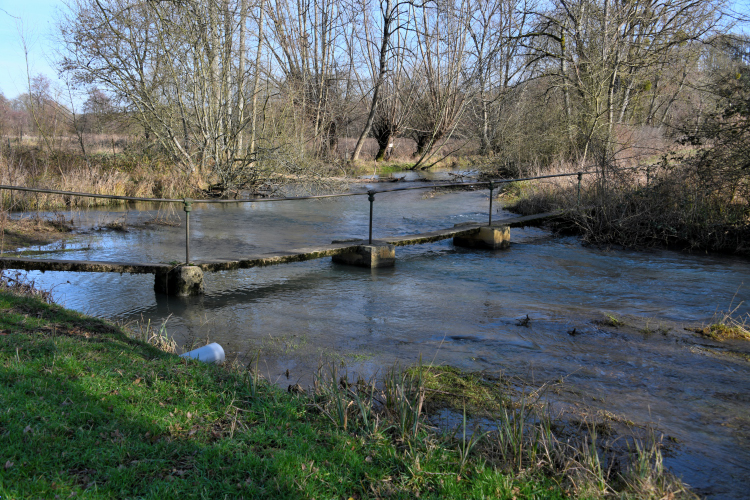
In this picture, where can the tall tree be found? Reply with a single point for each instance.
(601, 51)
(441, 46)
(495, 58)
(306, 41)
(380, 53)
(178, 67)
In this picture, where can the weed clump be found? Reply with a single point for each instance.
(611, 320)
(722, 331)
(16, 283)
(147, 333)
(727, 325)
(517, 436)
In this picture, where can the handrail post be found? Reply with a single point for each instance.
(370, 198)
(580, 176)
(492, 188)
(188, 206)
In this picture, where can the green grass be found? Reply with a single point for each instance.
(512, 192)
(381, 168)
(86, 409)
(391, 168)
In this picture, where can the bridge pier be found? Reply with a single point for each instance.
(492, 238)
(181, 281)
(375, 255)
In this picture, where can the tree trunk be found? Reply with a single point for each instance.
(383, 143)
(387, 18)
(484, 147)
(240, 108)
(256, 80)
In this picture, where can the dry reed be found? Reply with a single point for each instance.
(659, 205)
(64, 170)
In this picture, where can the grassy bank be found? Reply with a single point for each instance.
(87, 409)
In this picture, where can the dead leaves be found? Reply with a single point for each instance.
(311, 467)
(152, 438)
(84, 477)
(114, 436)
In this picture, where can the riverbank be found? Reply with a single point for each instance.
(90, 410)
(27, 232)
(132, 169)
(128, 172)
(666, 207)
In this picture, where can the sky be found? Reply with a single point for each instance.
(35, 19)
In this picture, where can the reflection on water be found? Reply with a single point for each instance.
(454, 306)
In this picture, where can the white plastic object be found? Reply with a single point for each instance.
(211, 353)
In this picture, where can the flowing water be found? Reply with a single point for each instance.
(452, 306)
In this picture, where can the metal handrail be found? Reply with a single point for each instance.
(87, 195)
(285, 198)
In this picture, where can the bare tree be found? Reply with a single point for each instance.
(441, 45)
(602, 50)
(394, 110)
(178, 68)
(48, 117)
(99, 111)
(307, 41)
(382, 56)
(495, 58)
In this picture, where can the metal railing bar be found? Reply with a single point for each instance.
(283, 198)
(286, 198)
(88, 195)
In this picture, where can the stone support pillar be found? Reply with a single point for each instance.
(492, 238)
(371, 256)
(181, 281)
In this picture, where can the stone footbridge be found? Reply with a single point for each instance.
(185, 280)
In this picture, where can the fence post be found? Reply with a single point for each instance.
(580, 176)
(371, 198)
(188, 207)
(648, 175)
(492, 188)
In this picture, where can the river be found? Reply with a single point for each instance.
(452, 306)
